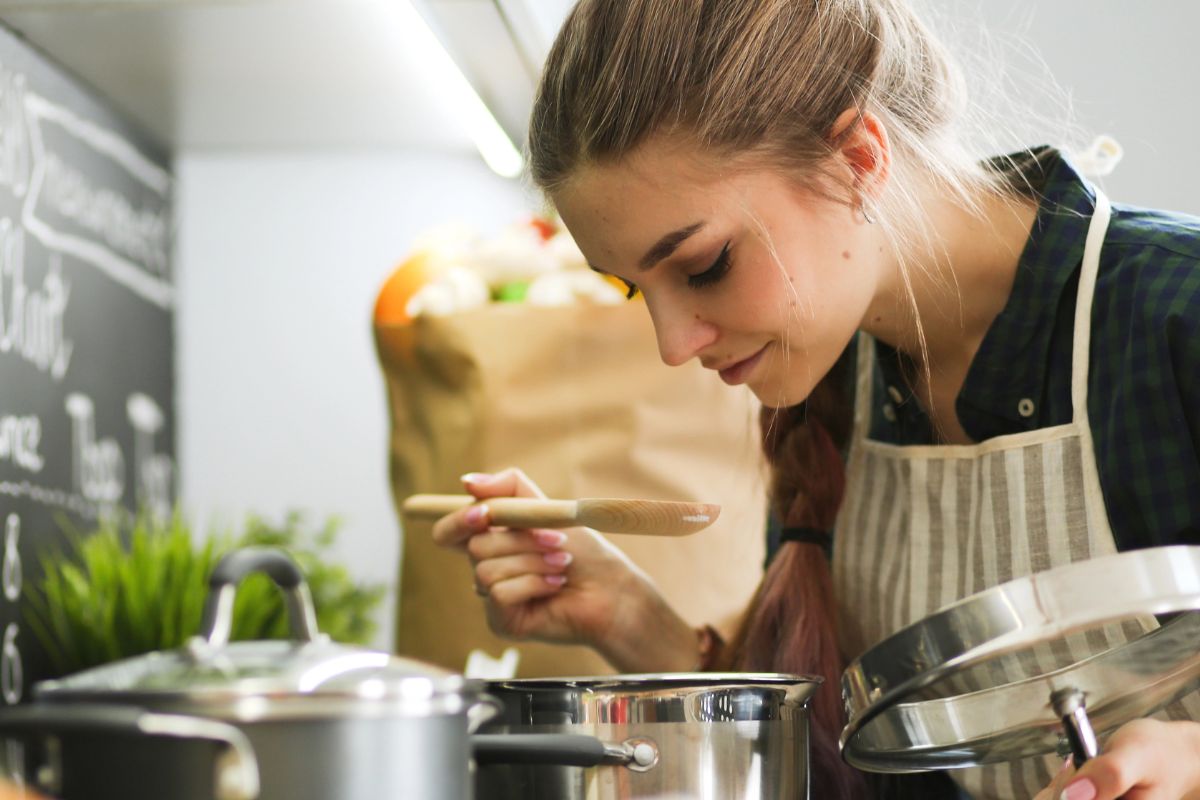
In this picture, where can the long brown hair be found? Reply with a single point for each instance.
(754, 83)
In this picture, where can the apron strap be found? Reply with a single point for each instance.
(864, 385)
(1081, 347)
(1092, 491)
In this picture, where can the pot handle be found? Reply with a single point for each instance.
(562, 749)
(236, 768)
(485, 709)
(279, 567)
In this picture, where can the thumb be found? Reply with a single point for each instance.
(511, 482)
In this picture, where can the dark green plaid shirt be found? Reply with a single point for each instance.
(1144, 379)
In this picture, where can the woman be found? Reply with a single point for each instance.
(784, 183)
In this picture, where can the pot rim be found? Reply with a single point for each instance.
(665, 680)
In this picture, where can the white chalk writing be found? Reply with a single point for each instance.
(12, 573)
(140, 234)
(12, 675)
(20, 438)
(14, 133)
(99, 464)
(101, 226)
(31, 319)
(152, 471)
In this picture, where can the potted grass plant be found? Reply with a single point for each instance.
(133, 585)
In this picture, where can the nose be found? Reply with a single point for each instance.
(682, 333)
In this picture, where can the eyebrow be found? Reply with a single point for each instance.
(667, 245)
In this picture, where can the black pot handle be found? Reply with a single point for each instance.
(279, 567)
(562, 749)
(237, 770)
(276, 564)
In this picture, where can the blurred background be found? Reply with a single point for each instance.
(314, 141)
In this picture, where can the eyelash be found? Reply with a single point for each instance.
(716, 272)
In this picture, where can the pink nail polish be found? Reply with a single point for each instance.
(559, 580)
(474, 477)
(550, 538)
(557, 558)
(476, 516)
(1079, 790)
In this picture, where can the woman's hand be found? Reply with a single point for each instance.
(569, 586)
(1144, 760)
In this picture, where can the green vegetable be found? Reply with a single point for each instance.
(133, 585)
(511, 292)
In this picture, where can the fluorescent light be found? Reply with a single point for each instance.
(449, 82)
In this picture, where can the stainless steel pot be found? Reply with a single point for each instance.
(711, 736)
(325, 721)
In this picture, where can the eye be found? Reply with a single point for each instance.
(631, 289)
(714, 273)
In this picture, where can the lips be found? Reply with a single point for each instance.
(738, 372)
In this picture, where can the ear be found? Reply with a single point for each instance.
(860, 140)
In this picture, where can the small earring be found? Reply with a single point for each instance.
(866, 214)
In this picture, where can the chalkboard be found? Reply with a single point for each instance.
(87, 395)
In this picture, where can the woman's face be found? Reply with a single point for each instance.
(762, 281)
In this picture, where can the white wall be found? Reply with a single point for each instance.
(1122, 68)
(279, 258)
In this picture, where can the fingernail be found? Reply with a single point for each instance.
(559, 580)
(558, 558)
(475, 477)
(550, 538)
(476, 515)
(1082, 789)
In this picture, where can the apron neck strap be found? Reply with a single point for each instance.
(1081, 347)
(1081, 344)
(863, 385)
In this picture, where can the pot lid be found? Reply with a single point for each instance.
(1037, 665)
(201, 673)
(307, 676)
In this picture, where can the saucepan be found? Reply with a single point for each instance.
(298, 719)
(309, 719)
(694, 735)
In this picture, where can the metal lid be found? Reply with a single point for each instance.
(309, 676)
(981, 680)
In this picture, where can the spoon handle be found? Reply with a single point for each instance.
(516, 512)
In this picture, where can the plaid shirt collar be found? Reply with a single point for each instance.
(1014, 357)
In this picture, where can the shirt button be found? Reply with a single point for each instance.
(889, 412)
(895, 394)
(1025, 407)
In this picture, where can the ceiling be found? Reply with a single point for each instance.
(281, 74)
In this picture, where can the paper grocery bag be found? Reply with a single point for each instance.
(578, 398)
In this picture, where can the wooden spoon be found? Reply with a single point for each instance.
(643, 517)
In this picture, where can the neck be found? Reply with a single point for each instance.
(957, 282)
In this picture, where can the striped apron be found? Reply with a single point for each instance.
(924, 526)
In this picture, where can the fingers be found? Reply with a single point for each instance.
(511, 482)
(523, 589)
(456, 528)
(1054, 790)
(502, 557)
(500, 542)
(1144, 760)
(498, 570)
